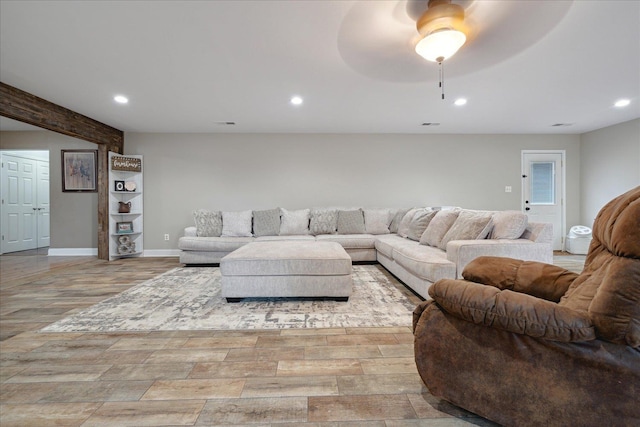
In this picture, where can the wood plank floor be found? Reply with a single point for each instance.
(331, 377)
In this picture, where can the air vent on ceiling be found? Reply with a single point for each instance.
(561, 124)
(430, 124)
(226, 123)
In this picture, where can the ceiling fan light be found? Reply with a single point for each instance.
(441, 44)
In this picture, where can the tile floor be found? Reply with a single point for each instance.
(331, 377)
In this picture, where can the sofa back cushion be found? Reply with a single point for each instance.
(236, 224)
(397, 217)
(351, 222)
(266, 223)
(323, 221)
(208, 223)
(403, 226)
(438, 227)
(508, 225)
(419, 223)
(294, 223)
(376, 221)
(609, 286)
(469, 225)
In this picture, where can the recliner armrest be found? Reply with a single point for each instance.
(511, 311)
(538, 279)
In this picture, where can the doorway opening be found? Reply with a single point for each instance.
(25, 204)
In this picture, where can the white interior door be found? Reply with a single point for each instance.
(25, 205)
(43, 211)
(543, 190)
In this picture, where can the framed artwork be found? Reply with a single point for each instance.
(124, 227)
(79, 171)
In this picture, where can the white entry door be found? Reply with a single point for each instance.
(543, 190)
(25, 204)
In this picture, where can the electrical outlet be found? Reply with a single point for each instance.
(507, 189)
(166, 237)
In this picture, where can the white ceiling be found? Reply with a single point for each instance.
(187, 66)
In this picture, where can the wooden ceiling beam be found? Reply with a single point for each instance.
(25, 107)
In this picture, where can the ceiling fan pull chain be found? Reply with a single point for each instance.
(441, 84)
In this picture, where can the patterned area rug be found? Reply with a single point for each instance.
(189, 299)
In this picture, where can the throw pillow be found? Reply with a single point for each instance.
(400, 213)
(236, 224)
(376, 221)
(351, 222)
(208, 223)
(419, 223)
(438, 227)
(508, 225)
(266, 223)
(403, 227)
(323, 221)
(470, 225)
(294, 223)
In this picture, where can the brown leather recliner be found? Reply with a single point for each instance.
(531, 344)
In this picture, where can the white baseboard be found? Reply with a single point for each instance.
(94, 252)
(73, 252)
(161, 253)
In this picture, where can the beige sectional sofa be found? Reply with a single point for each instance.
(419, 245)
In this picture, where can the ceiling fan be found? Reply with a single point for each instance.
(443, 29)
(379, 39)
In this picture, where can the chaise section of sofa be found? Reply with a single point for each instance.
(419, 246)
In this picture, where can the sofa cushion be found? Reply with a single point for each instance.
(376, 221)
(213, 244)
(438, 227)
(403, 227)
(208, 223)
(323, 221)
(470, 225)
(266, 223)
(236, 224)
(397, 217)
(385, 244)
(350, 241)
(294, 222)
(508, 225)
(419, 223)
(306, 237)
(351, 222)
(426, 262)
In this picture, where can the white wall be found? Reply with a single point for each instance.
(610, 166)
(183, 172)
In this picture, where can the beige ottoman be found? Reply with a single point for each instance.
(287, 269)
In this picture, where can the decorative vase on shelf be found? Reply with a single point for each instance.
(124, 207)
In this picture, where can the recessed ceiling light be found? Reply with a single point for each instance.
(121, 99)
(622, 103)
(296, 100)
(460, 101)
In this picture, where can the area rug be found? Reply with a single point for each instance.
(189, 299)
